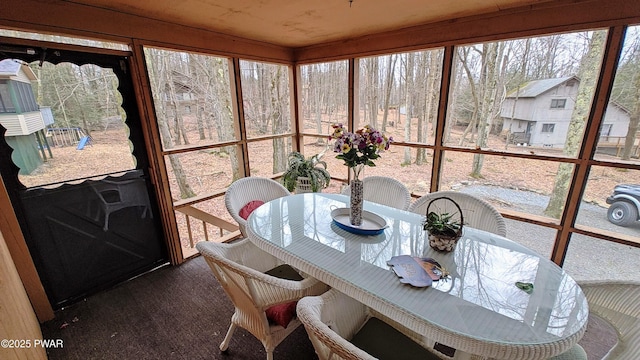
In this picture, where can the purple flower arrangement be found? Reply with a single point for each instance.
(360, 147)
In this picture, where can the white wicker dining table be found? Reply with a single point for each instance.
(478, 310)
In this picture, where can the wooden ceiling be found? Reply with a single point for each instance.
(300, 23)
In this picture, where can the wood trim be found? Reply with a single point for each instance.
(612, 236)
(21, 256)
(157, 170)
(74, 19)
(237, 105)
(63, 46)
(353, 103)
(613, 48)
(190, 148)
(295, 105)
(443, 105)
(530, 218)
(178, 204)
(19, 322)
(543, 18)
(208, 218)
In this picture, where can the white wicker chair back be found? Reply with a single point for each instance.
(247, 189)
(478, 213)
(384, 190)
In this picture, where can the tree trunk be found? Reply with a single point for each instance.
(157, 85)
(278, 118)
(474, 95)
(634, 120)
(409, 105)
(391, 63)
(489, 88)
(588, 75)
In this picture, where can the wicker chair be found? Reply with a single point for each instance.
(247, 189)
(384, 190)
(618, 303)
(240, 268)
(477, 213)
(340, 327)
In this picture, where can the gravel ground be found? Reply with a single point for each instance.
(588, 258)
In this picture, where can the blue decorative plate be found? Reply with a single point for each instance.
(372, 224)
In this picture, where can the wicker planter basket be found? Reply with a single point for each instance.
(303, 185)
(443, 242)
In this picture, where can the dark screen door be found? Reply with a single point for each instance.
(78, 181)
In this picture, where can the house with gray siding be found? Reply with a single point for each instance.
(20, 115)
(539, 113)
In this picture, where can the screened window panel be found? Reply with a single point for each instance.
(520, 185)
(619, 139)
(503, 93)
(399, 94)
(323, 96)
(268, 157)
(266, 98)
(607, 260)
(192, 98)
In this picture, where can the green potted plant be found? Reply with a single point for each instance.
(305, 174)
(444, 228)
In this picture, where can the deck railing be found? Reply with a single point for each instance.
(616, 144)
(200, 226)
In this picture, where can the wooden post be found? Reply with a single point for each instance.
(19, 322)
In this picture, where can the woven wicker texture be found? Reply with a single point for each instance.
(384, 190)
(247, 189)
(619, 304)
(478, 213)
(299, 230)
(332, 319)
(575, 353)
(240, 267)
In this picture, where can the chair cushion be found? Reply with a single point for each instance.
(282, 314)
(285, 271)
(248, 208)
(382, 341)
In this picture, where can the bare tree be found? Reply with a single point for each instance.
(489, 89)
(465, 59)
(156, 65)
(432, 78)
(634, 120)
(278, 93)
(388, 85)
(627, 88)
(409, 86)
(588, 75)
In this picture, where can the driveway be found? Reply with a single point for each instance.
(588, 257)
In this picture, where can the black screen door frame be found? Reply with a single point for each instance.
(120, 244)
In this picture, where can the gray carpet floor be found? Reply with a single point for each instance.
(171, 313)
(182, 312)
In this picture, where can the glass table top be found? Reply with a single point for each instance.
(479, 300)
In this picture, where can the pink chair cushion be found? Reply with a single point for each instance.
(249, 207)
(282, 314)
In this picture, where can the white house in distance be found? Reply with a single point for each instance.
(539, 113)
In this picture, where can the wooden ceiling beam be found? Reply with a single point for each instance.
(73, 19)
(543, 18)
